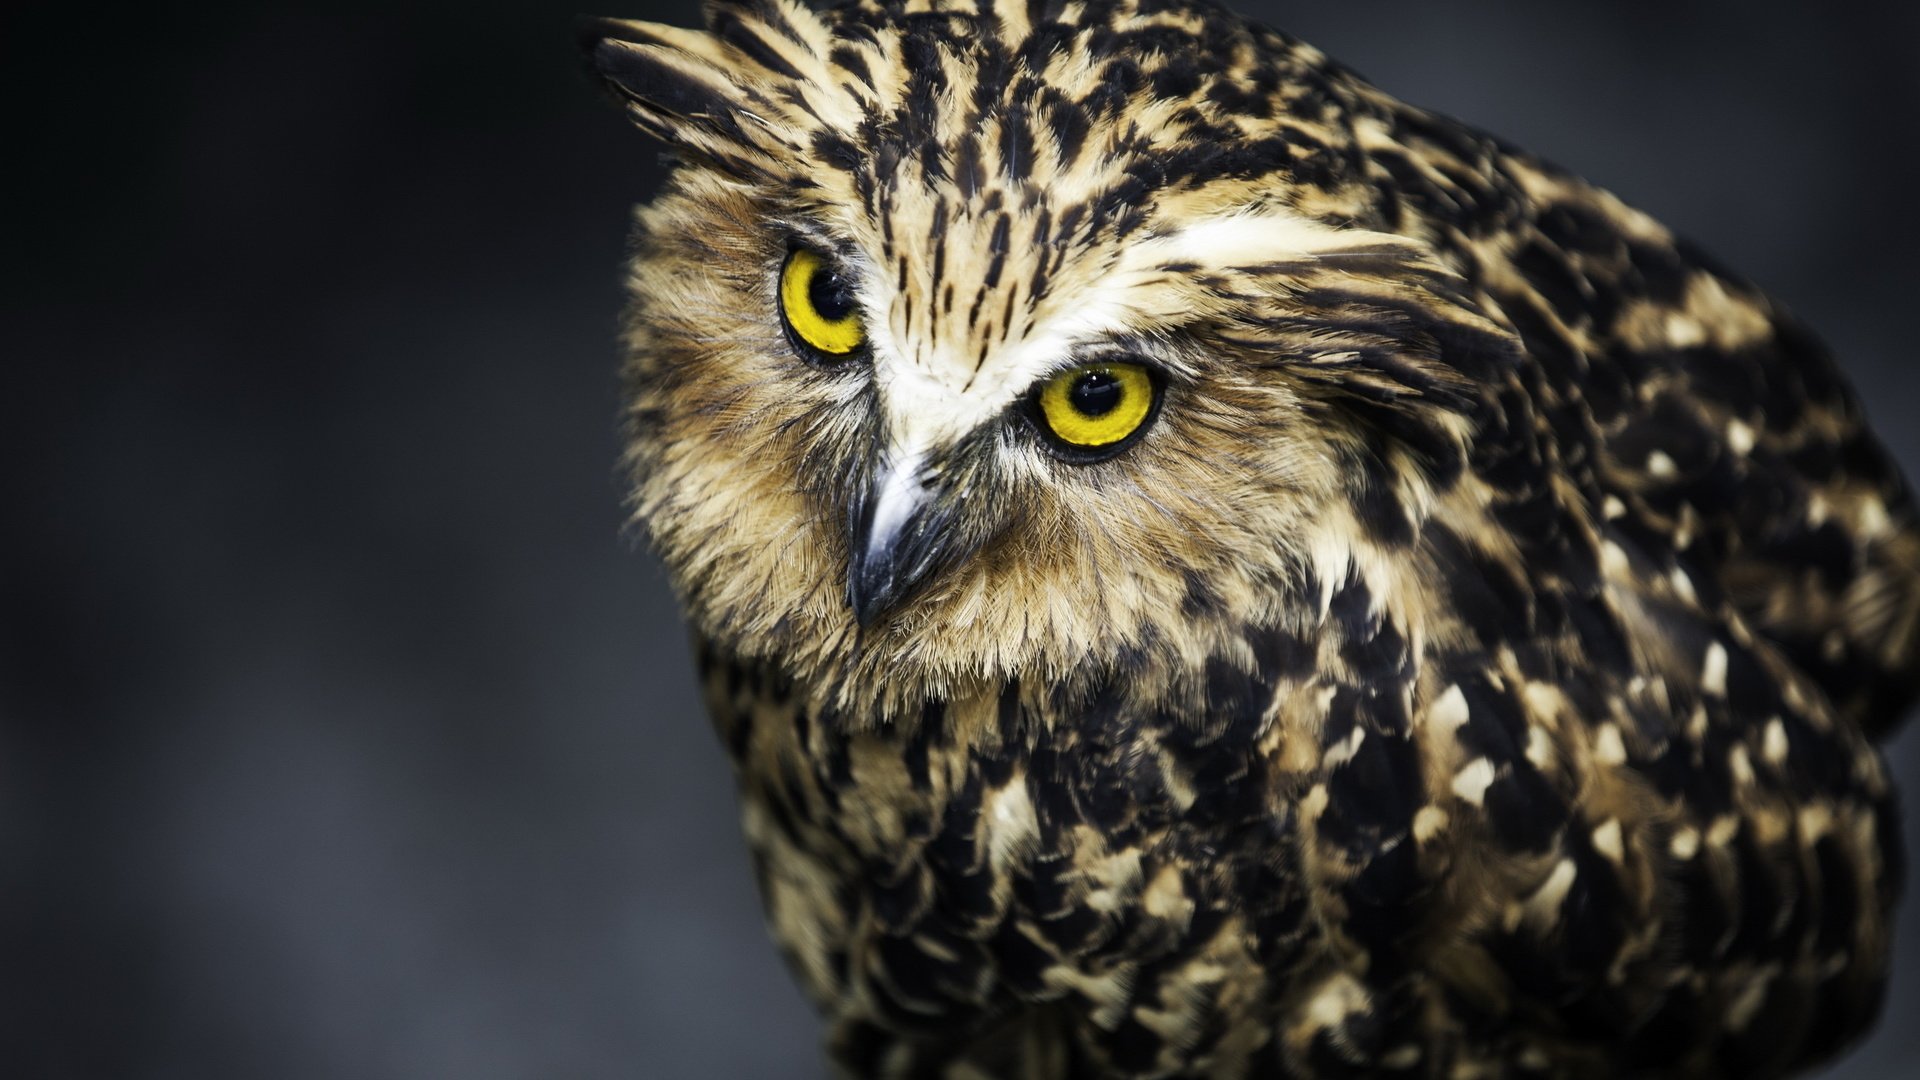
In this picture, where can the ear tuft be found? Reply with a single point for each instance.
(590, 30)
(679, 88)
(658, 80)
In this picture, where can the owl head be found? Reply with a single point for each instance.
(972, 344)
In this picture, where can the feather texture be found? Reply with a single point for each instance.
(1474, 670)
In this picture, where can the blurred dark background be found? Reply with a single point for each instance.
(343, 730)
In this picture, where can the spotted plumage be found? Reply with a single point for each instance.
(1466, 662)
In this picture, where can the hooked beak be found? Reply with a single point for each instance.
(900, 536)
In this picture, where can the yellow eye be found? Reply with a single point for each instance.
(1095, 408)
(817, 303)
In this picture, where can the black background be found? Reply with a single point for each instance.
(346, 732)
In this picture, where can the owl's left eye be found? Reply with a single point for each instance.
(1093, 412)
(818, 306)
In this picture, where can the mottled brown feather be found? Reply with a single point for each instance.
(1474, 670)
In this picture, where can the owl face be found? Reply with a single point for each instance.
(972, 351)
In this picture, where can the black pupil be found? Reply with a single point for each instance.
(1095, 394)
(830, 295)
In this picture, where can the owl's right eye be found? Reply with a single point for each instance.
(1093, 412)
(818, 306)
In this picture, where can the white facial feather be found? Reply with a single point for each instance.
(934, 393)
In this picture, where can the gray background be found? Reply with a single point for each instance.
(345, 734)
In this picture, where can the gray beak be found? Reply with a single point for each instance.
(899, 536)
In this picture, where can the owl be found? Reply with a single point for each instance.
(1203, 569)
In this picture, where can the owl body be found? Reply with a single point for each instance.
(1466, 661)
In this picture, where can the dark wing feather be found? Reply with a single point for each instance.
(1720, 425)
